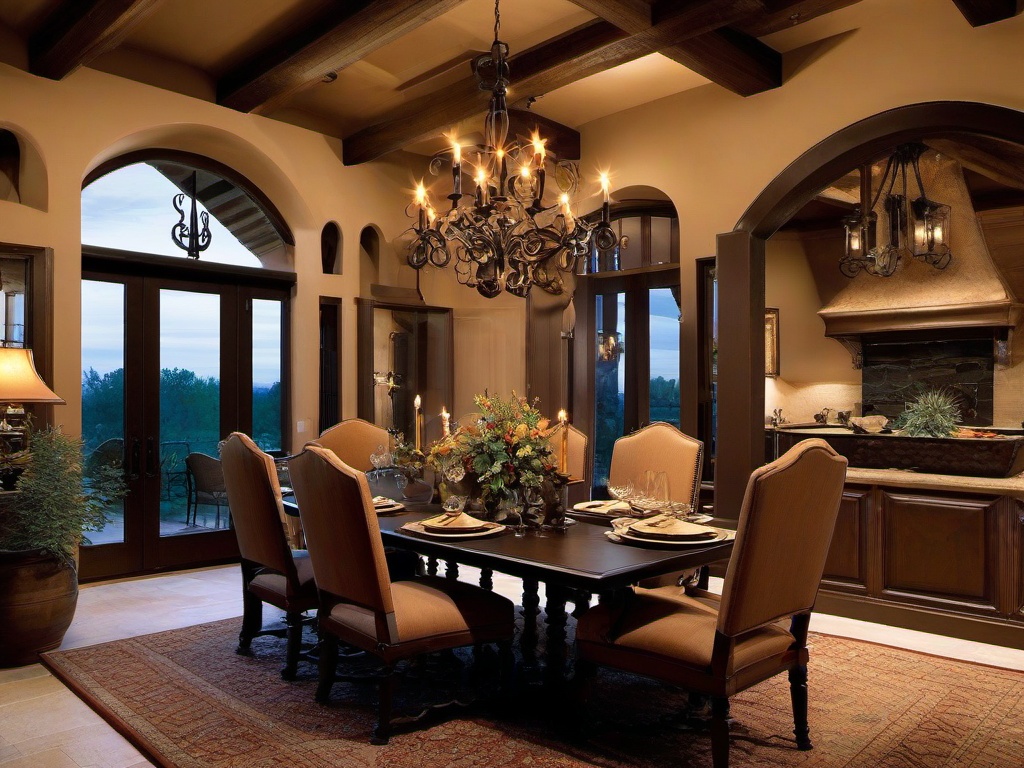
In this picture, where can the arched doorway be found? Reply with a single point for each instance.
(177, 352)
(741, 262)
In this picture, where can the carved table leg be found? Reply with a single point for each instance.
(431, 566)
(556, 620)
(452, 569)
(487, 579)
(531, 609)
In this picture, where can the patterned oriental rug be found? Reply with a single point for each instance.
(186, 700)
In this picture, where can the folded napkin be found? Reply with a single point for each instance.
(460, 522)
(673, 528)
(602, 507)
(383, 501)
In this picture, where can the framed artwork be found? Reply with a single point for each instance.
(771, 342)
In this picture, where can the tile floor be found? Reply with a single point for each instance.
(44, 725)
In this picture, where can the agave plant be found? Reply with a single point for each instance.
(934, 413)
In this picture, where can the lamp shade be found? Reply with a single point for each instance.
(19, 382)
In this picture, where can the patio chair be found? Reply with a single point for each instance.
(204, 484)
(719, 646)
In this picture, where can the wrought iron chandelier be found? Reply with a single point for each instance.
(918, 227)
(504, 237)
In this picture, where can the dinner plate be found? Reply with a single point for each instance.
(602, 506)
(625, 537)
(652, 530)
(489, 530)
(389, 507)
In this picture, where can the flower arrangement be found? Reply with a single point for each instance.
(506, 449)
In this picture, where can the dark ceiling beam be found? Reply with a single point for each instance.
(347, 33)
(981, 12)
(783, 15)
(78, 31)
(733, 60)
(584, 51)
(562, 141)
(630, 16)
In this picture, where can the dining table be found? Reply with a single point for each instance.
(577, 560)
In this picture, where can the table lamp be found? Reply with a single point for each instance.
(20, 383)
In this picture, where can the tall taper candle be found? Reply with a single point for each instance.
(445, 422)
(419, 421)
(563, 459)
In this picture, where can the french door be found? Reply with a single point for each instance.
(170, 368)
(626, 356)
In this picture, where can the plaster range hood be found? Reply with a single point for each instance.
(969, 294)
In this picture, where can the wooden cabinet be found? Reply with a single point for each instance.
(934, 560)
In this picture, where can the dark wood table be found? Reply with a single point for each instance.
(579, 559)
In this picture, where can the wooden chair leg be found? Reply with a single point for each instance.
(584, 675)
(328, 662)
(252, 618)
(291, 667)
(798, 693)
(720, 732)
(506, 667)
(382, 733)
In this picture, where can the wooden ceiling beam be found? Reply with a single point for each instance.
(562, 141)
(348, 33)
(78, 31)
(630, 16)
(736, 61)
(783, 15)
(981, 12)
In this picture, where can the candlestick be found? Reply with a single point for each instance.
(604, 186)
(419, 421)
(445, 422)
(563, 460)
(457, 167)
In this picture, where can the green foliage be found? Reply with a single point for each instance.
(53, 506)
(933, 414)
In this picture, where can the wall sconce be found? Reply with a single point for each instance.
(609, 347)
(771, 342)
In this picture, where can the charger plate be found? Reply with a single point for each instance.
(490, 529)
(624, 537)
(388, 509)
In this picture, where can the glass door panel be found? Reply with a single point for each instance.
(189, 407)
(664, 356)
(267, 396)
(609, 380)
(103, 395)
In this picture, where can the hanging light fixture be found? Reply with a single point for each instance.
(918, 227)
(505, 236)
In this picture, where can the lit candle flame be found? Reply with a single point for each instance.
(562, 416)
(421, 194)
(481, 177)
(431, 215)
(605, 182)
(525, 171)
(456, 152)
(500, 153)
(538, 145)
(416, 402)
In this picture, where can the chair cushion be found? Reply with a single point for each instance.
(432, 607)
(674, 630)
(272, 586)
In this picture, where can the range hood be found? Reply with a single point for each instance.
(969, 293)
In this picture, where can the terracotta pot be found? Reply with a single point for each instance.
(38, 595)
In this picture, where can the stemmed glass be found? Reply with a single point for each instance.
(453, 507)
(623, 491)
(512, 504)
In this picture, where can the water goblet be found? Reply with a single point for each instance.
(452, 507)
(512, 504)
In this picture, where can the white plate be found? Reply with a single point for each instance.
(419, 529)
(664, 543)
(383, 509)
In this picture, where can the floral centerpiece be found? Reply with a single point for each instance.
(506, 449)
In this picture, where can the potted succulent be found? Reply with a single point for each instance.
(41, 525)
(934, 413)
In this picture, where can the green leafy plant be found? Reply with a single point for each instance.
(934, 413)
(53, 506)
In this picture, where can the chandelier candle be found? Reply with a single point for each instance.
(419, 421)
(456, 173)
(563, 458)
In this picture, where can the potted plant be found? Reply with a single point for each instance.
(934, 413)
(41, 525)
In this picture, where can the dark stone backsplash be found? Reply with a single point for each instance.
(895, 372)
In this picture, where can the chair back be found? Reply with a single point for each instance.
(207, 473)
(660, 447)
(341, 529)
(782, 538)
(353, 440)
(254, 497)
(576, 458)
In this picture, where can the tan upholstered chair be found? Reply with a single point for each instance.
(353, 441)
(204, 482)
(721, 646)
(659, 447)
(359, 604)
(271, 571)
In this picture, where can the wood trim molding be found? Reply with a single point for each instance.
(996, 314)
(981, 12)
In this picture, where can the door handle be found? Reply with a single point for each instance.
(152, 468)
(135, 460)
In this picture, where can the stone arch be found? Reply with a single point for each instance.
(741, 256)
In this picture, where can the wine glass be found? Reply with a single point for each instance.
(512, 504)
(624, 491)
(654, 496)
(453, 507)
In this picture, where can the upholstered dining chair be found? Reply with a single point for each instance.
(271, 571)
(659, 447)
(353, 441)
(721, 646)
(360, 604)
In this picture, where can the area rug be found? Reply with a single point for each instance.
(186, 700)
